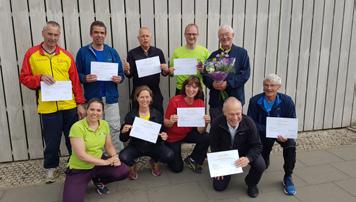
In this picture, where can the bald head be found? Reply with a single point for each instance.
(232, 110)
(144, 37)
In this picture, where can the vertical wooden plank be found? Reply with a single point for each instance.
(147, 17)
(38, 20)
(132, 22)
(226, 12)
(349, 115)
(86, 14)
(261, 42)
(272, 39)
(303, 62)
(5, 144)
(102, 13)
(249, 44)
(239, 21)
(283, 45)
(187, 15)
(119, 43)
(324, 64)
(213, 25)
(201, 9)
(54, 12)
(312, 81)
(292, 71)
(333, 67)
(23, 41)
(12, 84)
(341, 85)
(71, 26)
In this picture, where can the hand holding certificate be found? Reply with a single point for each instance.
(185, 66)
(145, 130)
(191, 117)
(148, 66)
(223, 163)
(60, 90)
(287, 127)
(104, 71)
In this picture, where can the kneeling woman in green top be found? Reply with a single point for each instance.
(88, 137)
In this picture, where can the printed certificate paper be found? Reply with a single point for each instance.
(61, 90)
(185, 66)
(191, 117)
(148, 66)
(223, 163)
(288, 127)
(104, 71)
(145, 130)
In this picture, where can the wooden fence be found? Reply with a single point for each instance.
(311, 44)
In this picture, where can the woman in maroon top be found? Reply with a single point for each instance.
(191, 91)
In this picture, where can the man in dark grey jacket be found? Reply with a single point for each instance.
(234, 130)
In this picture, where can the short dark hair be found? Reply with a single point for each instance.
(97, 24)
(139, 90)
(193, 80)
(97, 100)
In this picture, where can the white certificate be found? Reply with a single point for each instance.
(60, 90)
(223, 163)
(104, 71)
(185, 66)
(287, 127)
(148, 66)
(145, 130)
(191, 117)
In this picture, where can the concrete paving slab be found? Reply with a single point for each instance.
(272, 182)
(276, 162)
(318, 158)
(346, 152)
(348, 185)
(40, 193)
(189, 175)
(348, 167)
(328, 192)
(270, 197)
(320, 174)
(1, 194)
(188, 192)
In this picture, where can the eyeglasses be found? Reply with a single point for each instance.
(192, 34)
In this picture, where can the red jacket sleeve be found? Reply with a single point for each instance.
(26, 77)
(77, 88)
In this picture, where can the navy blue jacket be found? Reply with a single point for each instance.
(84, 57)
(246, 139)
(282, 107)
(235, 81)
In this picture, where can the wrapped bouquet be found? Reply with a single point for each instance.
(218, 68)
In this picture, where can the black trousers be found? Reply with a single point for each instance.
(253, 177)
(198, 154)
(158, 152)
(289, 152)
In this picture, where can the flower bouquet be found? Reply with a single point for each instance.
(218, 68)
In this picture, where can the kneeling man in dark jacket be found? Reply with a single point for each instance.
(234, 130)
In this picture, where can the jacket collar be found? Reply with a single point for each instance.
(43, 51)
(275, 104)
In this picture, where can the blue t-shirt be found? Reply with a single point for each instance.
(267, 105)
(100, 58)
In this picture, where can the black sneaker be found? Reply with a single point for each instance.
(101, 188)
(193, 165)
(252, 191)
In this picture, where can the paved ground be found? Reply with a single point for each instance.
(327, 174)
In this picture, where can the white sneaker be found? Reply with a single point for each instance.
(50, 175)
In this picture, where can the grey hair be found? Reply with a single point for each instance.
(227, 27)
(231, 100)
(273, 78)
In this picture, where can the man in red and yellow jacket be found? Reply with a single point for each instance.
(48, 63)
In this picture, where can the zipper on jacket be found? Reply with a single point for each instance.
(50, 62)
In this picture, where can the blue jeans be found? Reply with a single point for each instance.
(53, 125)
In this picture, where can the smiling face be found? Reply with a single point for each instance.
(233, 113)
(270, 89)
(191, 35)
(98, 34)
(50, 36)
(225, 38)
(144, 98)
(191, 90)
(94, 111)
